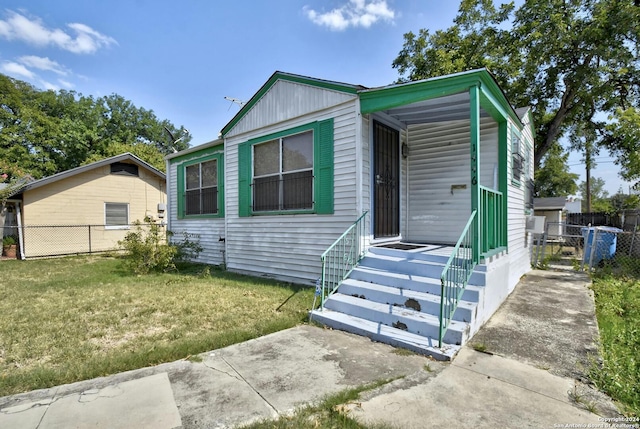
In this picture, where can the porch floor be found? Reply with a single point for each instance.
(427, 249)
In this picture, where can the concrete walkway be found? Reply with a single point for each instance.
(530, 376)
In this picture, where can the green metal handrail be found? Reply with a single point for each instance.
(341, 257)
(456, 275)
(493, 232)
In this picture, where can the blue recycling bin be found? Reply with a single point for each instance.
(605, 243)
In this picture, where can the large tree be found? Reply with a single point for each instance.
(573, 61)
(553, 178)
(46, 132)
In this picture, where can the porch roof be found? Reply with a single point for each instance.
(444, 97)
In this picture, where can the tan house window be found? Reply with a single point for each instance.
(116, 215)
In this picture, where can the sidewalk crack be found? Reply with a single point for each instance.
(53, 399)
(224, 372)
(275, 410)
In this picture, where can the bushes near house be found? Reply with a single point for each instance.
(148, 249)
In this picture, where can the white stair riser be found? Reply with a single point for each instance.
(388, 279)
(416, 267)
(426, 306)
(413, 324)
(376, 335)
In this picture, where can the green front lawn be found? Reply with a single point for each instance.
(69, 319)
(617, 297)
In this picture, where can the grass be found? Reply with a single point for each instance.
(479, 347)
(69, 319)
(330, 413)
(581, 401)
(617, 297)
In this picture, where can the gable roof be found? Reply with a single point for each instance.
(72, 172)
(395, 95)
(278, 75)
(391, 96)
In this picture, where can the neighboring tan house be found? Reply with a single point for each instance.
(85, 209)
(554, 209)
(365, 193)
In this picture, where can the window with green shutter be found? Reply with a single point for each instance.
(200, 184)
(287, 172)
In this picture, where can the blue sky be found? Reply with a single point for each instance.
(180, 59)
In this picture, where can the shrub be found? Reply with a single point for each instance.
(8, 240)
(147, 249)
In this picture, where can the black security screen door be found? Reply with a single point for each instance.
(386, 177)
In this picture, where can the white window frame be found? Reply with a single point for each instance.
(107, 226)
(201, 187)
(281, 173)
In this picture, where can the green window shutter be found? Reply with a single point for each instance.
(244, 179)
(180, 185)
(221, 186)
(323, 150)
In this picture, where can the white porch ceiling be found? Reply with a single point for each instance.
(442, 109)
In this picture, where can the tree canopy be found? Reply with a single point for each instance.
(46, 132)
(553, 178)
(573, 61)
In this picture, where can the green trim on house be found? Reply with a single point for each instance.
(496, 104)
(196, 158)
(503, 171)
(474, 130)
(322, 170)
(319, 83)
(514, 131)
(193, 154)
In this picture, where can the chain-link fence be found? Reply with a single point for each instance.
(589, 247)
(37, 241)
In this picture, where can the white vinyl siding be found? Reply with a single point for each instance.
(208, 232)
(439, 193)
(289, 246)
(519, 242)
(286, 100)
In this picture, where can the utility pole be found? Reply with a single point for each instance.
(587, 162)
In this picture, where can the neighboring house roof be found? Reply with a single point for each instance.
(551, 203)
(522, 112)
(107, 161)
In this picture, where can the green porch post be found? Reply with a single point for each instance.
(474, 110)
(503, 129)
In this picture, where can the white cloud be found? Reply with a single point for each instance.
(65, 83)
(355, 13)
(82, 40)
(49, 86)
(17, 70)
(43, 63)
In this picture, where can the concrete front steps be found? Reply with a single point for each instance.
(393, 296)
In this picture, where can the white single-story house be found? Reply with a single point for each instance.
(386, 198)
(554, 209)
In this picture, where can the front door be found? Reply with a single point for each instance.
(386, 181)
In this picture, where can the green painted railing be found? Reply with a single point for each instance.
(456, 275)
(341, 257)
(493, 231)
